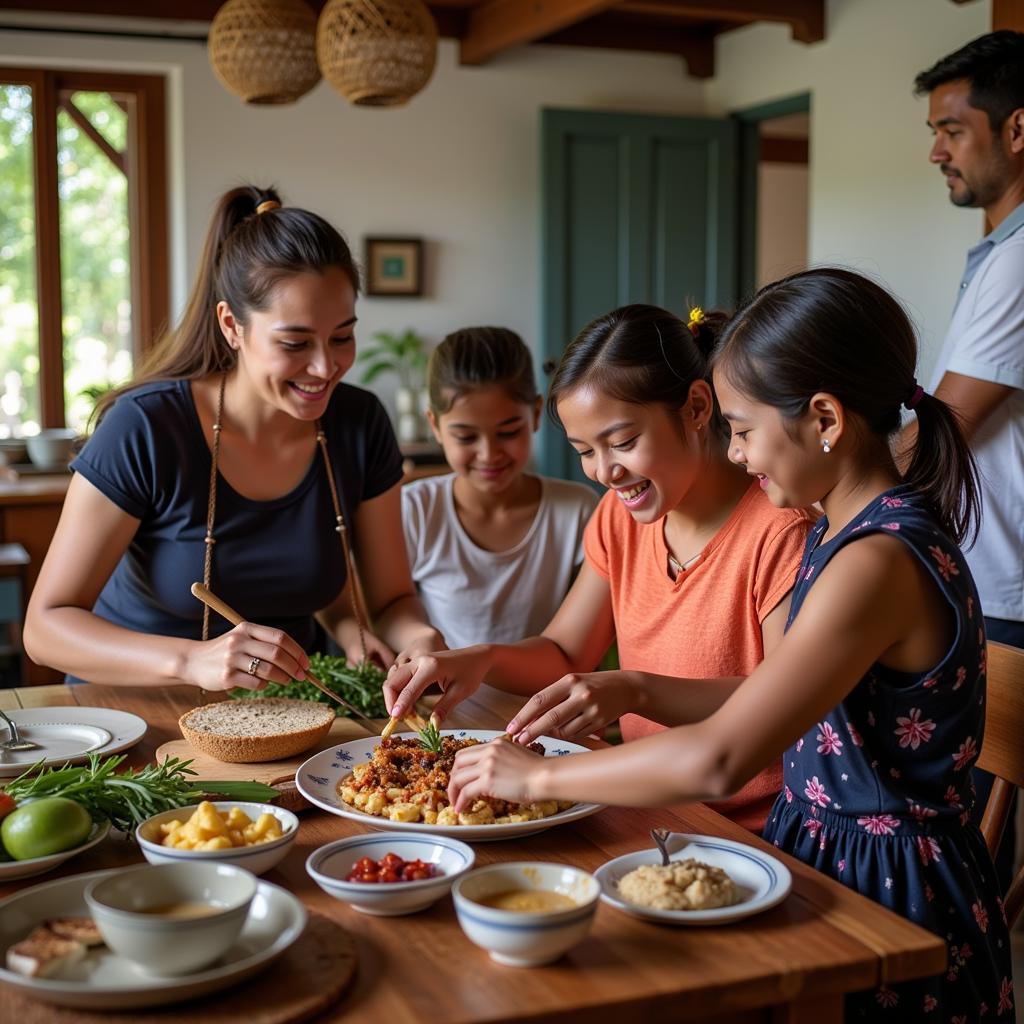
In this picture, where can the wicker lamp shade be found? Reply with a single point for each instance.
(264, 51)
(377, 53)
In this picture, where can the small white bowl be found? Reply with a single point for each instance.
(164, 945)
(257, 859)
(329, 866)
(51, 448)
(519, 939)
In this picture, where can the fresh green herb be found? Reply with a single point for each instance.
(430, 738)
(128, 798)
(361, 685)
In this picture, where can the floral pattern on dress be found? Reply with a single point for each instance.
(878, 792)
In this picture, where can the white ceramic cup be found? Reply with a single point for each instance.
(121, 904)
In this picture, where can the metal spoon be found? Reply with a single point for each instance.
(15, 742)
(660, 837)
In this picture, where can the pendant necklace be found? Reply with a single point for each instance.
(358, 600)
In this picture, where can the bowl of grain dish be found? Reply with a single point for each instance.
(679, 885)
(263, 729)
(249, 835)
(708, 881)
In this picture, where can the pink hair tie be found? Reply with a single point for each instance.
(916, 396)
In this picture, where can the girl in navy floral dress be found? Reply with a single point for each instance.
(877, 688)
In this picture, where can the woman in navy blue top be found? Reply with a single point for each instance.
(878, 687)
(237, 436)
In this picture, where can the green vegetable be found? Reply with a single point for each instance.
(44, 827)
(361, 685)
(128, 798)
(430, 738)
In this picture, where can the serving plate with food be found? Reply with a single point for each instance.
(401, 784)
(70, 734)
(77, 969)
(708, 881)
(11, 870)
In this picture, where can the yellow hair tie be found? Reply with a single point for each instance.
(696, 319)
(268, 204)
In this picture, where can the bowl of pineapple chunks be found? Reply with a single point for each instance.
(248, 835)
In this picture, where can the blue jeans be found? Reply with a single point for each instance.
(1003, 631)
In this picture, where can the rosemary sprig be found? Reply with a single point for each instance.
(128, 798)
(430, 738)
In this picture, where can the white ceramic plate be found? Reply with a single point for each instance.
(105, 981)
(763, 880)
(10, 870)
(124, 730)
(57, 741)
(317, 780)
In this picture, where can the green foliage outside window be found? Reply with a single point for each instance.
(95, 258)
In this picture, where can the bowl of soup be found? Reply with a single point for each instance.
(172, 919)
(526, 913)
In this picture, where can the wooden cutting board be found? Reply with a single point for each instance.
(270, 772)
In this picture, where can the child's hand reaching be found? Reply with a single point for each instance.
(577, 705)
(457, 673)
(429, 643)
(376, 650)
(499, 769)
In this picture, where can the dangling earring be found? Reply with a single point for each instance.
(825, 446)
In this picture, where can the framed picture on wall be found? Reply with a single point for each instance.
(394, 266)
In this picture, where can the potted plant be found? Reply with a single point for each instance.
(405, 355)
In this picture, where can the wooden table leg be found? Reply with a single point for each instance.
(810, 1010)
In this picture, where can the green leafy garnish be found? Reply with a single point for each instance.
(361, 685)
(430, 738)
(129, 798)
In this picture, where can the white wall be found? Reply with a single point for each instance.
(458, 165)
(782, 218)
(876, 203)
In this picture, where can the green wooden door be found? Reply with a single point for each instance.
(635, 208)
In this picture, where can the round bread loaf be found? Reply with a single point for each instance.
(266, 729)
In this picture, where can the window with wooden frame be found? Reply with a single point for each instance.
(83, 239)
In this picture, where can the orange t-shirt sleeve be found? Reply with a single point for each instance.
(777, 567)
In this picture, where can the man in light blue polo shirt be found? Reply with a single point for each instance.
(976, 112)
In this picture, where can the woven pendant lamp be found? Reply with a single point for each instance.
(377, 53)
(264, 51)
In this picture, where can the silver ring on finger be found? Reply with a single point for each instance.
(253, 665)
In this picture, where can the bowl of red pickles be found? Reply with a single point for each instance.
(389, 873)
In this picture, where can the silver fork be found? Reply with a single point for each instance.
(15, 742)
(660, 837)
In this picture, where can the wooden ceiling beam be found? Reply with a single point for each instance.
(169, 10)
(496, 25)
(806, 18)
(696, 48)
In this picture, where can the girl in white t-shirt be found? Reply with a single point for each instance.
(493, 549)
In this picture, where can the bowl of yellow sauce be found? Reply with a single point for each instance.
(526, 913)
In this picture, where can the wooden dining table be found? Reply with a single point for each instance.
(791, 964)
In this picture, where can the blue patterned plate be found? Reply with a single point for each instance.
(762, 879)
(317, 780)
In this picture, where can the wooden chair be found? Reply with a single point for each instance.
(1003, 754)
